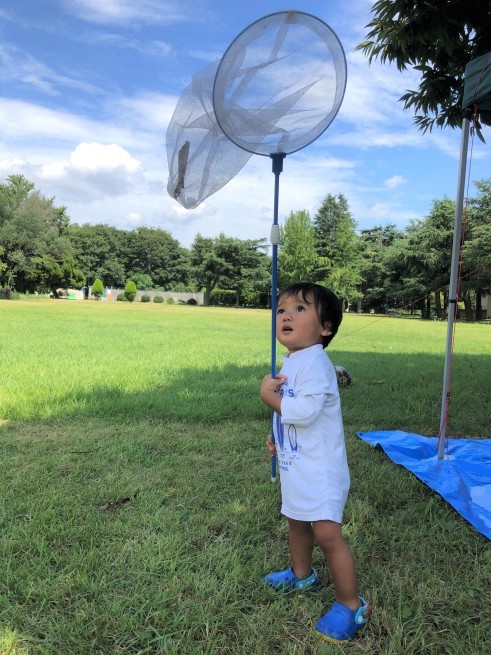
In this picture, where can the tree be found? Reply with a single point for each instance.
(437, 38)
(297, 257)
(431, 250)
(130, 290)
(97, 289)
(230, 263)
(155, 253)
(99, 252)
(207, 268)
(337, 248)
(142, 280)
(55, 276)
(399, 287)
(12, 193)
(247, 266)
(36, 254)
(150, 256)
(374, 243)
(476, 258)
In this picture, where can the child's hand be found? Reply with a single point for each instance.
(269, 392)
(272, 384)
(270, 445)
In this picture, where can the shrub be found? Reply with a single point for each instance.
(121, 297)
(158, 299)
(145, 298)
(192, 301)
(182, 288)
(142, 280)
(97, 289)
(5, 293)
(130, 290)
(254, 299)
(223, 297)
(170, 300)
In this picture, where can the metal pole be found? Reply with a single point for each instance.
(452, 290)
(275, 240)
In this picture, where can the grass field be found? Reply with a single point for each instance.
(136, 511)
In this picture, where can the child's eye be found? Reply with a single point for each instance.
(300, 308)
(280, 311)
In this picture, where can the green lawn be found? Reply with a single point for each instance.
(136, 511)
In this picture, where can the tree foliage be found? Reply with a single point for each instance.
(476, 260)
(230, 263)
(437, 38)
(374, 243)
(99, 251)
(297, 258)
(247, 265)
(130, 290)
(97, 288)
(337, 248)
(382, 267)
(155, 252)
(412, 269)
(142, 280)
(35, 251)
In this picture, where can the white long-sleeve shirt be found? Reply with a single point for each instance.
(309, 439)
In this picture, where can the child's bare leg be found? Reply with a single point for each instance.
(340, 561)
(301, 542)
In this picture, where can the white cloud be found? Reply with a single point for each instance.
(11, 165)
(96, 157)
(395, 181)
(148, 111)
(388, 213)
(21, 67)
(373, 92)
(120, 12)
(379, 210)
(94, 170)
(130, 221)
(25, 125)
(104, 156)
(149, 48)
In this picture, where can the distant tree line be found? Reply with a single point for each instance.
(383, 268)
(40, 251)
(377, 269)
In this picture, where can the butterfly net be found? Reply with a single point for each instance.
(201, 159)
(280, 83)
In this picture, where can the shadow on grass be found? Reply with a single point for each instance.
(389, 391)
(175, 568)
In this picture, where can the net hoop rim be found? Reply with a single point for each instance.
(259, 20)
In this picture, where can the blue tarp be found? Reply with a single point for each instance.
(462, 478)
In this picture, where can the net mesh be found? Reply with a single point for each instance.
(200, 157)
(280, 83)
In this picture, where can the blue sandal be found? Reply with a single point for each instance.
(288, 581)
(341, 623)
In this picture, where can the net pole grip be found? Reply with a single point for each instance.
(275, 234)
(277, 158)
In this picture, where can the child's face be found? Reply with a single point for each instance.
(297, 323)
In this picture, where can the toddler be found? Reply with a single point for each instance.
(309, 443)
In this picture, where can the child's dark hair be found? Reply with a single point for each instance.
(326, 303)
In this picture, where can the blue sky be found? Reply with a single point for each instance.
(88, 88)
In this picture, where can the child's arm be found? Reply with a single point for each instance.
(269, 392)
(314, 386)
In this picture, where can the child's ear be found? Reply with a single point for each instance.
(326, 330)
